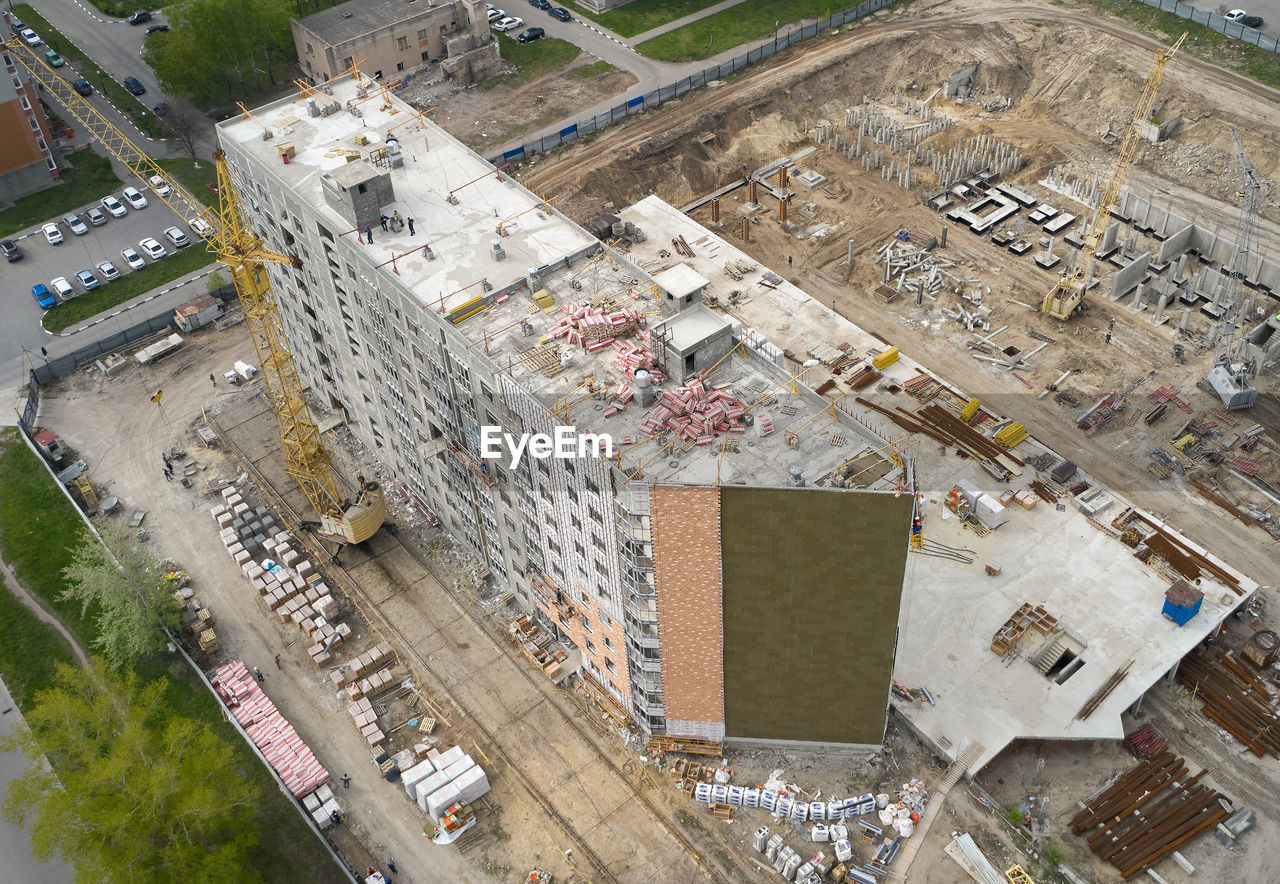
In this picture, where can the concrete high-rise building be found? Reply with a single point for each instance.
(437, 297)
(27, 164)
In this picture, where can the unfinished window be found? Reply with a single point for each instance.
(608, 664)
(402, 43)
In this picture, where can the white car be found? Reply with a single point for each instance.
(114, 206)
(73, 222)
(134, 197)
(496, 14)
(133, 259)
(509, 24)
(159, 185)
(154, 250)
(52, 233)
(30, 37)
(202, 228)
(177, 237)
(1235, 15)
(107, 271)
(63, 288)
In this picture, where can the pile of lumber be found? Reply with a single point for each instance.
(1148, 813)
(1234, 698)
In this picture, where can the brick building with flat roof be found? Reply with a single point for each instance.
(27, 163)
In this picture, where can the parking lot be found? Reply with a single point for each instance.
(42, 262)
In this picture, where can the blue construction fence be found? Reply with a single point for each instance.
(652, 99)
(1217, 23)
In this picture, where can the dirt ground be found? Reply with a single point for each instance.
(1072, 80)
(485, 117)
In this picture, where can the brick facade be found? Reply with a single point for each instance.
(686, 553)
(585, 623)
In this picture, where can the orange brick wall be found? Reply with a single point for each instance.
(686, 553)
(578, 634)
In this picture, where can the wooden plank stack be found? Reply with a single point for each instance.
(1148, 813)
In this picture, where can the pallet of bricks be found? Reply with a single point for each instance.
(285, 581)
(363, 677)
(291, 758)
(1150, 811)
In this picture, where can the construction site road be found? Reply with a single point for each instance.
(558, 783)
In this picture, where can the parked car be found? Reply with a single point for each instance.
(528, 35)
(63, 289)
(96, 216)
(17, 25)
(157, 29)
(81, 85)
(177, 237)
(43, 297)
(161, 109)
(52, 233)
(139, 17)
(88, 280)
(134, 198)
(114, 206)
(53, 59)
(153, 249)
(496, 14)
(508, 24)
(133, 259)
(11, 250)
(75, 225)
(134, 85)
(30, 37)
(107, 271)
(159, 185)
(202, 228)
(560, 14)
(540, 4)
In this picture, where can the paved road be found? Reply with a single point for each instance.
(19, 867)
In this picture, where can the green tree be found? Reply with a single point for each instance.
(128, 593)
(136, 794)
(214, 282)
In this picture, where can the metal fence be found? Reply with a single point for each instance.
(1217, 23)
(61, 366)
(650, 100)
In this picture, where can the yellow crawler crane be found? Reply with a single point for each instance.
(1066, 296)
(245, 256)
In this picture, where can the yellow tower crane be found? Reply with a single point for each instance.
(242, 251)
(1066, 296)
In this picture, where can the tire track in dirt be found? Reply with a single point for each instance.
(672, 122)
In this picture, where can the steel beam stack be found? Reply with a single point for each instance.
(1234, 698)
(1147, 813)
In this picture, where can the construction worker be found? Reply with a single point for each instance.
(213, 380)
(411, 227)
(368, 233)
(257, 673)
(277, 661)
(391, 864)
(346, 781)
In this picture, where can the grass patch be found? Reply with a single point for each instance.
(196, 180)
(748, 21)
(38, 529)
(30, 650)
(688, 820)
(643, 15)
(130, 285)
(592, 71)
(141, 115)
(86, 178)
(531, 60)
(1202, 42)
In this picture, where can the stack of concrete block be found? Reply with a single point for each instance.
(367, 687)
(367, 720)
(322, 804)
(370, 672)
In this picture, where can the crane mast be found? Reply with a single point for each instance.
(245, 256)
(1231, 377)
(1069, 291)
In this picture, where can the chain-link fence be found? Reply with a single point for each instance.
(652, 99)
(1217, 23)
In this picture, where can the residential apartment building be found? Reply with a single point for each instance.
(387, 38)
(27, 164)
(713, 570)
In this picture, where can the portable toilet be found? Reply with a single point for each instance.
(1181, 602)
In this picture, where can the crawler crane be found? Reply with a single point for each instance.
(244, 254)
(1069, 292)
